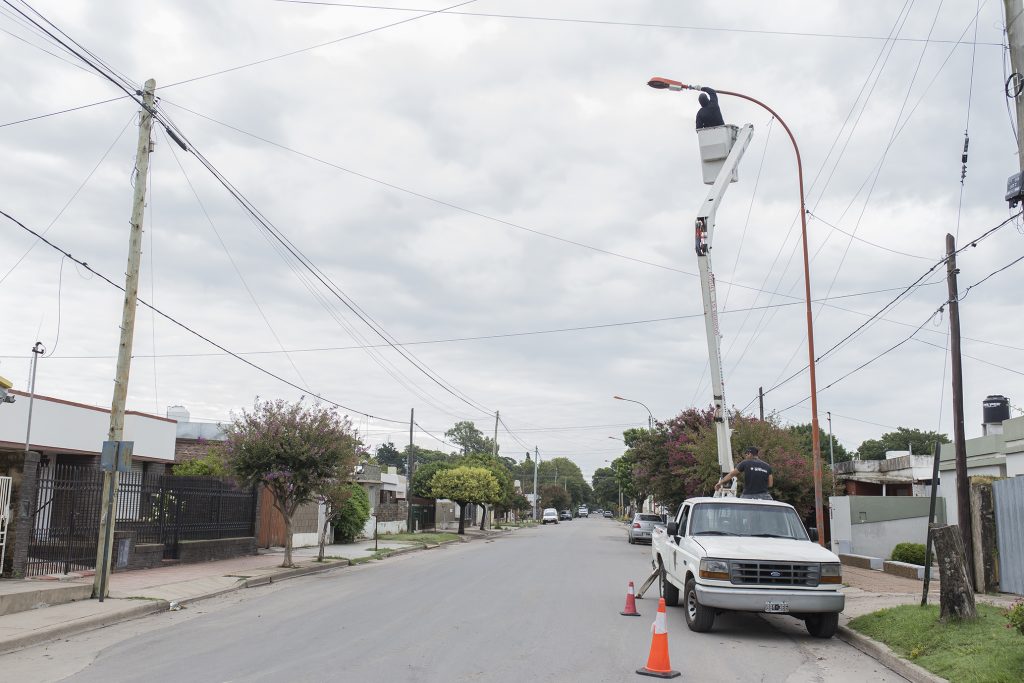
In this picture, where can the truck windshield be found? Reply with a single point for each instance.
(744, 519)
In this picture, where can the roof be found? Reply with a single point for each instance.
(736, 499)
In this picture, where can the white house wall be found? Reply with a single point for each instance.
(57, 425)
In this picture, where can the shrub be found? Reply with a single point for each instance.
(912, 553)
(353, 515)
(210, 465)
(1015, 617)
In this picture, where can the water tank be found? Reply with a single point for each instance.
(179, 413)
(995, 409)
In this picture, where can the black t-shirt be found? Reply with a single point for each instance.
(755, 475)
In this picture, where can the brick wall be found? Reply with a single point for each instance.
(304, 520)
(215, 549)
(189, 449)
(392, 512)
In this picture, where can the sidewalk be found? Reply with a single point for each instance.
(146, 591)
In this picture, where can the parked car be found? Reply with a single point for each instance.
(607, 513)
(550, 515)
(731, 554)
(642, 526)
(566, 515)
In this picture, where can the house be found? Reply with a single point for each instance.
(900, 474)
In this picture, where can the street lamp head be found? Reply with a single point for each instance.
(659, 83)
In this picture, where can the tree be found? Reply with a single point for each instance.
(554, 496)
(803, 433)
(389, 456)
(294, 449)
(210, 465)
(352, 511)
(606, 488)
(904, 438)
(422, 475)
(469, 439)
(465, 485)
(495, 466)
(334, 497)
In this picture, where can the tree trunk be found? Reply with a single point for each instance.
(323, 533)
(956, 595)
(483, 516)
(462, 518)
(287, 539)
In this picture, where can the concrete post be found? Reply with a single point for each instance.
(28, 493)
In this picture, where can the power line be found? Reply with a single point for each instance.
(62, 111)
(636, 24)
(188, 329)
(868, 242)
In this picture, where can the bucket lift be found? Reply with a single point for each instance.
(721, 149)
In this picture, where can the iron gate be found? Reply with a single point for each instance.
(1009, 503)
(161, 509)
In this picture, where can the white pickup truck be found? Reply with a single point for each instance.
(734, 554)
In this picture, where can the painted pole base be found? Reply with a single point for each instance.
(657, 674)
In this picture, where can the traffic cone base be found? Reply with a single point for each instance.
(658, 664)
(630, 609)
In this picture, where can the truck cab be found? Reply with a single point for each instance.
(734, 554)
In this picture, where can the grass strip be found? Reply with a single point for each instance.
(979, 651)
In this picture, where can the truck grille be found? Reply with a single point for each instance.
(773, 574)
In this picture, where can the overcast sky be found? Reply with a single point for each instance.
(464, 174)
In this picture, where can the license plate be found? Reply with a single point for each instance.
(776, 607)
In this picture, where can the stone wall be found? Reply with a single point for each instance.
(392, 512)
(215, 549)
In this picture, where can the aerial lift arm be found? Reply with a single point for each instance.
(705, 228)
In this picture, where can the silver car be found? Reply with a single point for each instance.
(642, 526)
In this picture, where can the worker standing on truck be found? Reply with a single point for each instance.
(709, 115)
(757, 475)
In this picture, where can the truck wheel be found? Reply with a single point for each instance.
(669, 590)
(822, 624)
(698, 617)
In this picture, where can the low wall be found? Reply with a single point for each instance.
(862, 561)
(215, 549)
(146, 556)
(905, 569)
(391, 527)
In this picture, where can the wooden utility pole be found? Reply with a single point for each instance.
(1015, 87)
(760, 401)
(963, 484)
(108, 509)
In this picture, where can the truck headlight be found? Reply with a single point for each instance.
(714, 569)
(831, 573)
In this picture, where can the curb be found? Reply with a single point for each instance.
(145, 608)
(881, 653)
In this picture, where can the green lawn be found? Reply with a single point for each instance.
(982, 651)
(421, 538)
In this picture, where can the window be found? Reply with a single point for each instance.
(683, 519)
(744, 519)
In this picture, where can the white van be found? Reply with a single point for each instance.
(550, 515)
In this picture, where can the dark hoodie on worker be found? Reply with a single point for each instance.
(709, 114)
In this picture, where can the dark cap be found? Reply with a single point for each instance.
(751, 449)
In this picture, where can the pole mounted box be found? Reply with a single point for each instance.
(715, 145)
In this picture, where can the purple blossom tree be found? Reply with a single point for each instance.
(297, 450)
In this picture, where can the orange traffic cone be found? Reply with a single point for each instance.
(630, 609)
(657, 662)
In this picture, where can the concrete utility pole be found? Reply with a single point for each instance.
(1015, 86)
(37, 350)
(536, 459)
(963, 484)
(831, 453)
(408, 473)
(108, 511)
(494, 452)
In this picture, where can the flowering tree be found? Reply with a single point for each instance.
(298, 450)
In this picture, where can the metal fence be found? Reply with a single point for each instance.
(1009, 504)
(153, 509)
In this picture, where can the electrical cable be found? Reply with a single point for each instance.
(632, 24)
(62, 111)
(60, 286)
(188, 329)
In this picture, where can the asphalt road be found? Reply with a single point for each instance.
(537, 605)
